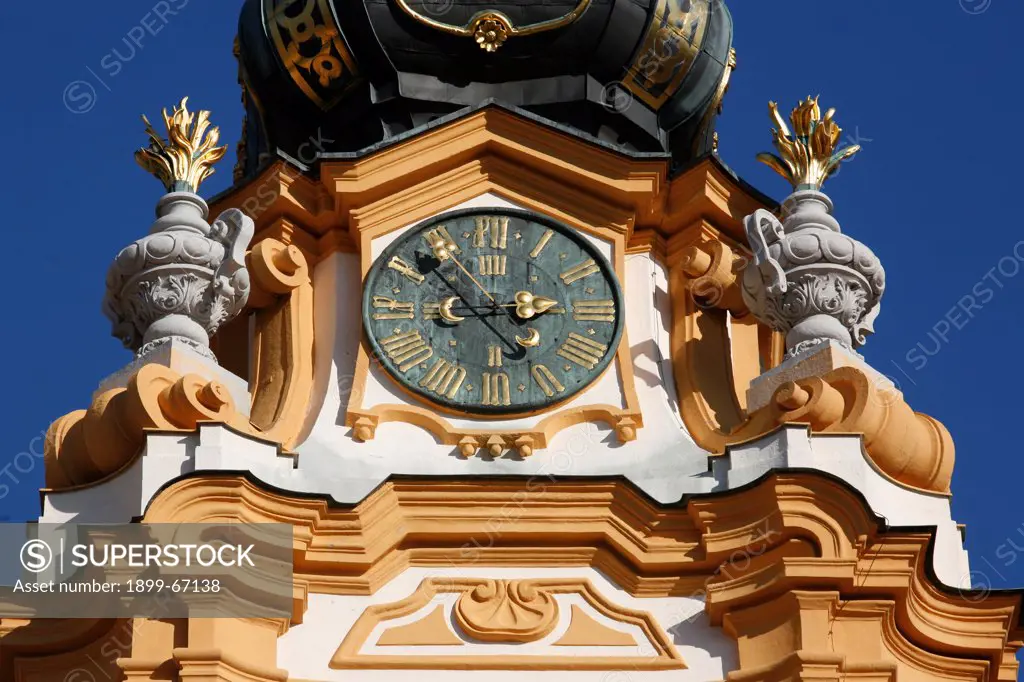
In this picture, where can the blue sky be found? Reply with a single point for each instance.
(927, 87)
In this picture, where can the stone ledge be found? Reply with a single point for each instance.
(813, 362)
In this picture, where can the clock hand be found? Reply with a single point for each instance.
(527, 305)
(443, 251)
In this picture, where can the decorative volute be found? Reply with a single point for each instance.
(808, 279)
(186, 277)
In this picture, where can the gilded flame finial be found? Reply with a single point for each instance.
(186, 158)
(809, 154)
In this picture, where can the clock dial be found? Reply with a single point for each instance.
(493, 311)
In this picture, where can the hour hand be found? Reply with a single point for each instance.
(527, 305)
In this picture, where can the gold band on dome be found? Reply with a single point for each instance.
(669, 50)
(492, 28)
(312, 49)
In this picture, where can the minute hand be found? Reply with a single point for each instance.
(443, 251)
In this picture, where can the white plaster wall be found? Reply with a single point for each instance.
(306, 649)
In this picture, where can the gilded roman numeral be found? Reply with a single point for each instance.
(431, 311)
(444, 378)
(440, 232)
(494, 356)
(594, 311)
(491, 265)
(496, 389)
(400, 266)
(407, 349)
(546, 380)
(491, 230)
(578, 272)
(582, 351)
(544, 239)
(397, 310)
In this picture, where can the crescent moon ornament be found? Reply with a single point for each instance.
(445, 310)
(531, 341)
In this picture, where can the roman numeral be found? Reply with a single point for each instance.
(578, 272)
(491, 231)
(407, 349)
(444, 378)
(544, 239)
(440, 232)
(546, 380)
(491, 265)
(594, 311)
(494, 356)
(400, 266)
(397, 309)
(582, 351)
(495, 389)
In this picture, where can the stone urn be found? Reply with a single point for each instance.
(181, 281)
(808, 279)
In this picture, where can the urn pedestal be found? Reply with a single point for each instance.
(183, 280)
(808, 279)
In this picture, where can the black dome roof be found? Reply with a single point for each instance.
(641, 75)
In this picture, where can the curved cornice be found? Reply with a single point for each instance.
(787, 531)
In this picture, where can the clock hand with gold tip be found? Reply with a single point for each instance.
(443, 251)
(528, 305)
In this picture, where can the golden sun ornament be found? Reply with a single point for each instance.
(184, 160)
(808, 155)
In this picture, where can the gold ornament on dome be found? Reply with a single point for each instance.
(809, 154)
(491, 28)
(186, 158)
(491, 33)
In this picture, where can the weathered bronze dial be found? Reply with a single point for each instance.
(493, 311)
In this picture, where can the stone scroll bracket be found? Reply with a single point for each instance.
(281, 366)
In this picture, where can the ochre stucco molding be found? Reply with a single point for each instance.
(86, 446)
(746, 552)
(508, 611)
(908, 447)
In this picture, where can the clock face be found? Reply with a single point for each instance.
(493, 311)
